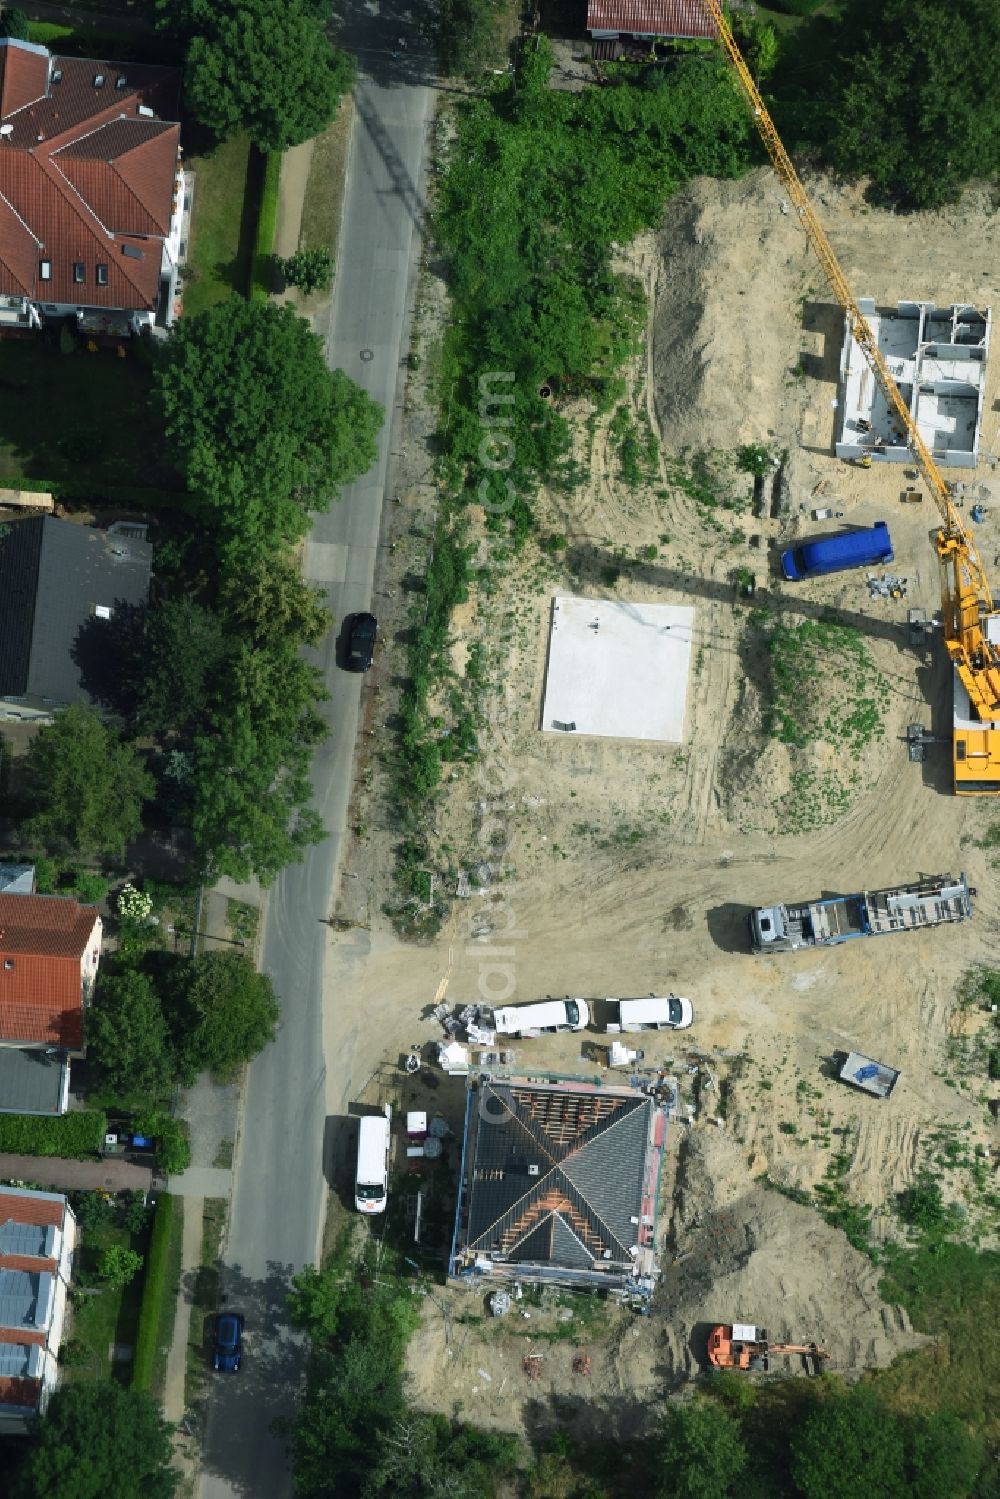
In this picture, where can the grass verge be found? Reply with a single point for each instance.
(267, 219)
(224, 224)
(156, 1312)
(325, 188)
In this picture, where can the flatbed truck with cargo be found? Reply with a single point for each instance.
(932, 901)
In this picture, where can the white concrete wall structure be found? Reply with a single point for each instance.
(90, 959)
(617, 669)
(937, 356)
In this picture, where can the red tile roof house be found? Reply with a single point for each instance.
(50, 948)
(645, 19)
(37, 1240)
(91, 191)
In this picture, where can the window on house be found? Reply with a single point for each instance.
(102, 275)
(121, 81)
(98, 80)
(78, 271)
(45, 270)
(8, 964)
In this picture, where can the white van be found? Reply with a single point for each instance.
(371, 1180)
(541, 1019)
(652, 1014)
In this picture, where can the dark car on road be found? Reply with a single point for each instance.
(227, 1351)
(361, 635)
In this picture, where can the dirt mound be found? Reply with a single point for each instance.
(752, 1255)
(722, 367)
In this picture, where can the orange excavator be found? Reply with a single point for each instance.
(971, 623)
(741, 1345)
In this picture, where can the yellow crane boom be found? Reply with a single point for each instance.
(971, 626)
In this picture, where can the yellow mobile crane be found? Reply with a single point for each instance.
(971, 624)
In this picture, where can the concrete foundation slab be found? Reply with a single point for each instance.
(617, 669)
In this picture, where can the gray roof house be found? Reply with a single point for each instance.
(558, 1184)
(37, 1244)
(58, 581)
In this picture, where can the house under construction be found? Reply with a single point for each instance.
(558, 1185)
(937, 357)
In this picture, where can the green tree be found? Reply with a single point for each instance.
(127, 1035)
(307, 269)
(97, 1440)
(701, 1451)
(943, 1457)
(427, 1456)
(118, 1265)
(267, 430)
(84, 786)
(270, 599)
(845, 1435)
(14, 23)
(263, 66)
(250, 774)
(912, 102)
(181, 658)
(227, 1013)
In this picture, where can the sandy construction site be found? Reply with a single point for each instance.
(600, 866)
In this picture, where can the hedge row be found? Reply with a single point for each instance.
(154, 1287)
(267, 220)
(75, 1137)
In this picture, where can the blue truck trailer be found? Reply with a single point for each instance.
(932, 901)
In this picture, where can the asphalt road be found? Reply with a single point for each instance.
(279, 1188)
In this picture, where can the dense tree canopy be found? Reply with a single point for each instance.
(224, 1014)
(268, 432)
(843, 1437)
(84, 787)
(701, 1451)
(14, 23)
(97, 1440)
(270, 600)
(910, 99)
(249, 776)
(263, 66)
(127, 1035)
(180, 657)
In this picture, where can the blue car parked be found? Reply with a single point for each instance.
(228, 1349)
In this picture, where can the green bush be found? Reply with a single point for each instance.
(46, 876)
(153, 1290)
(93, 1210)
(76, 1137)
(267, 219)
(172, 1149)
(88, 887)
(309, 270)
